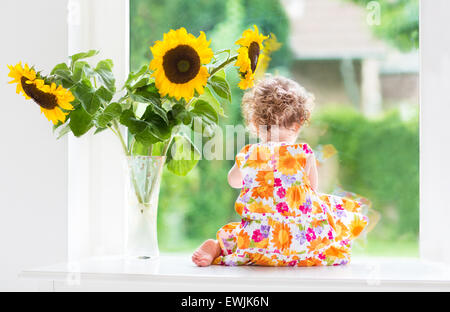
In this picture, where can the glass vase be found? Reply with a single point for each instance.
(144, 177)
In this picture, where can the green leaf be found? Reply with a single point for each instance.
(74, 58)
(146, 137)
(62, 130)
(104, 94)
(154, 109)
(63, 75)
(208, 96)
(220, 87)
(205, 111)
(86, 94)
(128, 119)
(182, 156)
(112, 111)
(158, 148)
(80, 121)
(138, 84)
(178, 114)
(60, 66)
(98, 130)
(147, 94)
(133, 77)
(157, 125)
(203, 126)
(81, 70)
(105, 74)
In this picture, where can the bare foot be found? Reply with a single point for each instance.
(206, 253)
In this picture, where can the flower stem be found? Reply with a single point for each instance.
(119, 135)
(225, 63)
(158, 171)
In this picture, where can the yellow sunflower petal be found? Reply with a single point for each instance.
(177, 63)
(249, 54)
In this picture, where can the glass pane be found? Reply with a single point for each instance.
(359, 58)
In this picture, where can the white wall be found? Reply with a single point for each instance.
(33, 165)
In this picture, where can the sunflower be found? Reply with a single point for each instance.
(248, 56)
(177, 63)
(21, 75)
(270, 45)
(51, 98)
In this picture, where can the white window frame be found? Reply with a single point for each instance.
(96, 203)
(96, 175)
(434, 134)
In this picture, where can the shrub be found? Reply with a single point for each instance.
(379, 159)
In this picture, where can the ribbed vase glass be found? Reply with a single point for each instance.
(144, 177)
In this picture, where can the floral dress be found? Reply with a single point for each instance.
(284, 221)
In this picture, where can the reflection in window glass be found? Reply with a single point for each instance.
(363, 70)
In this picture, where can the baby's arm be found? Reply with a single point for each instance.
(312, 172)
(235, 177)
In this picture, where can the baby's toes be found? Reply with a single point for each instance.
(203, 262)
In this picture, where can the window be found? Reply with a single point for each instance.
(364, 72)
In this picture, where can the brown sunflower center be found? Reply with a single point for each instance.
(253, 55)
(45, 100)
(181, 64)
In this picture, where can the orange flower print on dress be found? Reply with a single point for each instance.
(357, 226)
(281, 236)
(243, 240)
(260, 207)
(350, 205)
(335, 252)
(262, 260)
(341, 230)
(262, 192)
(283, 221)
(239, 207)
(318, 243)
(310, 262)
(295, 196)
(289, 164)
(265, 178)
(259, 158)
(265, 189)
(263, 243)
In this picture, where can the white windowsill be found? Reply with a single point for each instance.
(177, 273)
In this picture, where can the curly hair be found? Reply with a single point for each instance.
(277, 101)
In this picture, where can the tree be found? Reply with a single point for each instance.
(398, 22)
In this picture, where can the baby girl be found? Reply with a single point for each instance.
(285, 220)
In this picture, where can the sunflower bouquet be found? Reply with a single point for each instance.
(185, 84)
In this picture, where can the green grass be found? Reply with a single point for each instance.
(383, 248)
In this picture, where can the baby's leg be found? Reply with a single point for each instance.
(206, 253)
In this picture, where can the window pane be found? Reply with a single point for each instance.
(363, 70)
